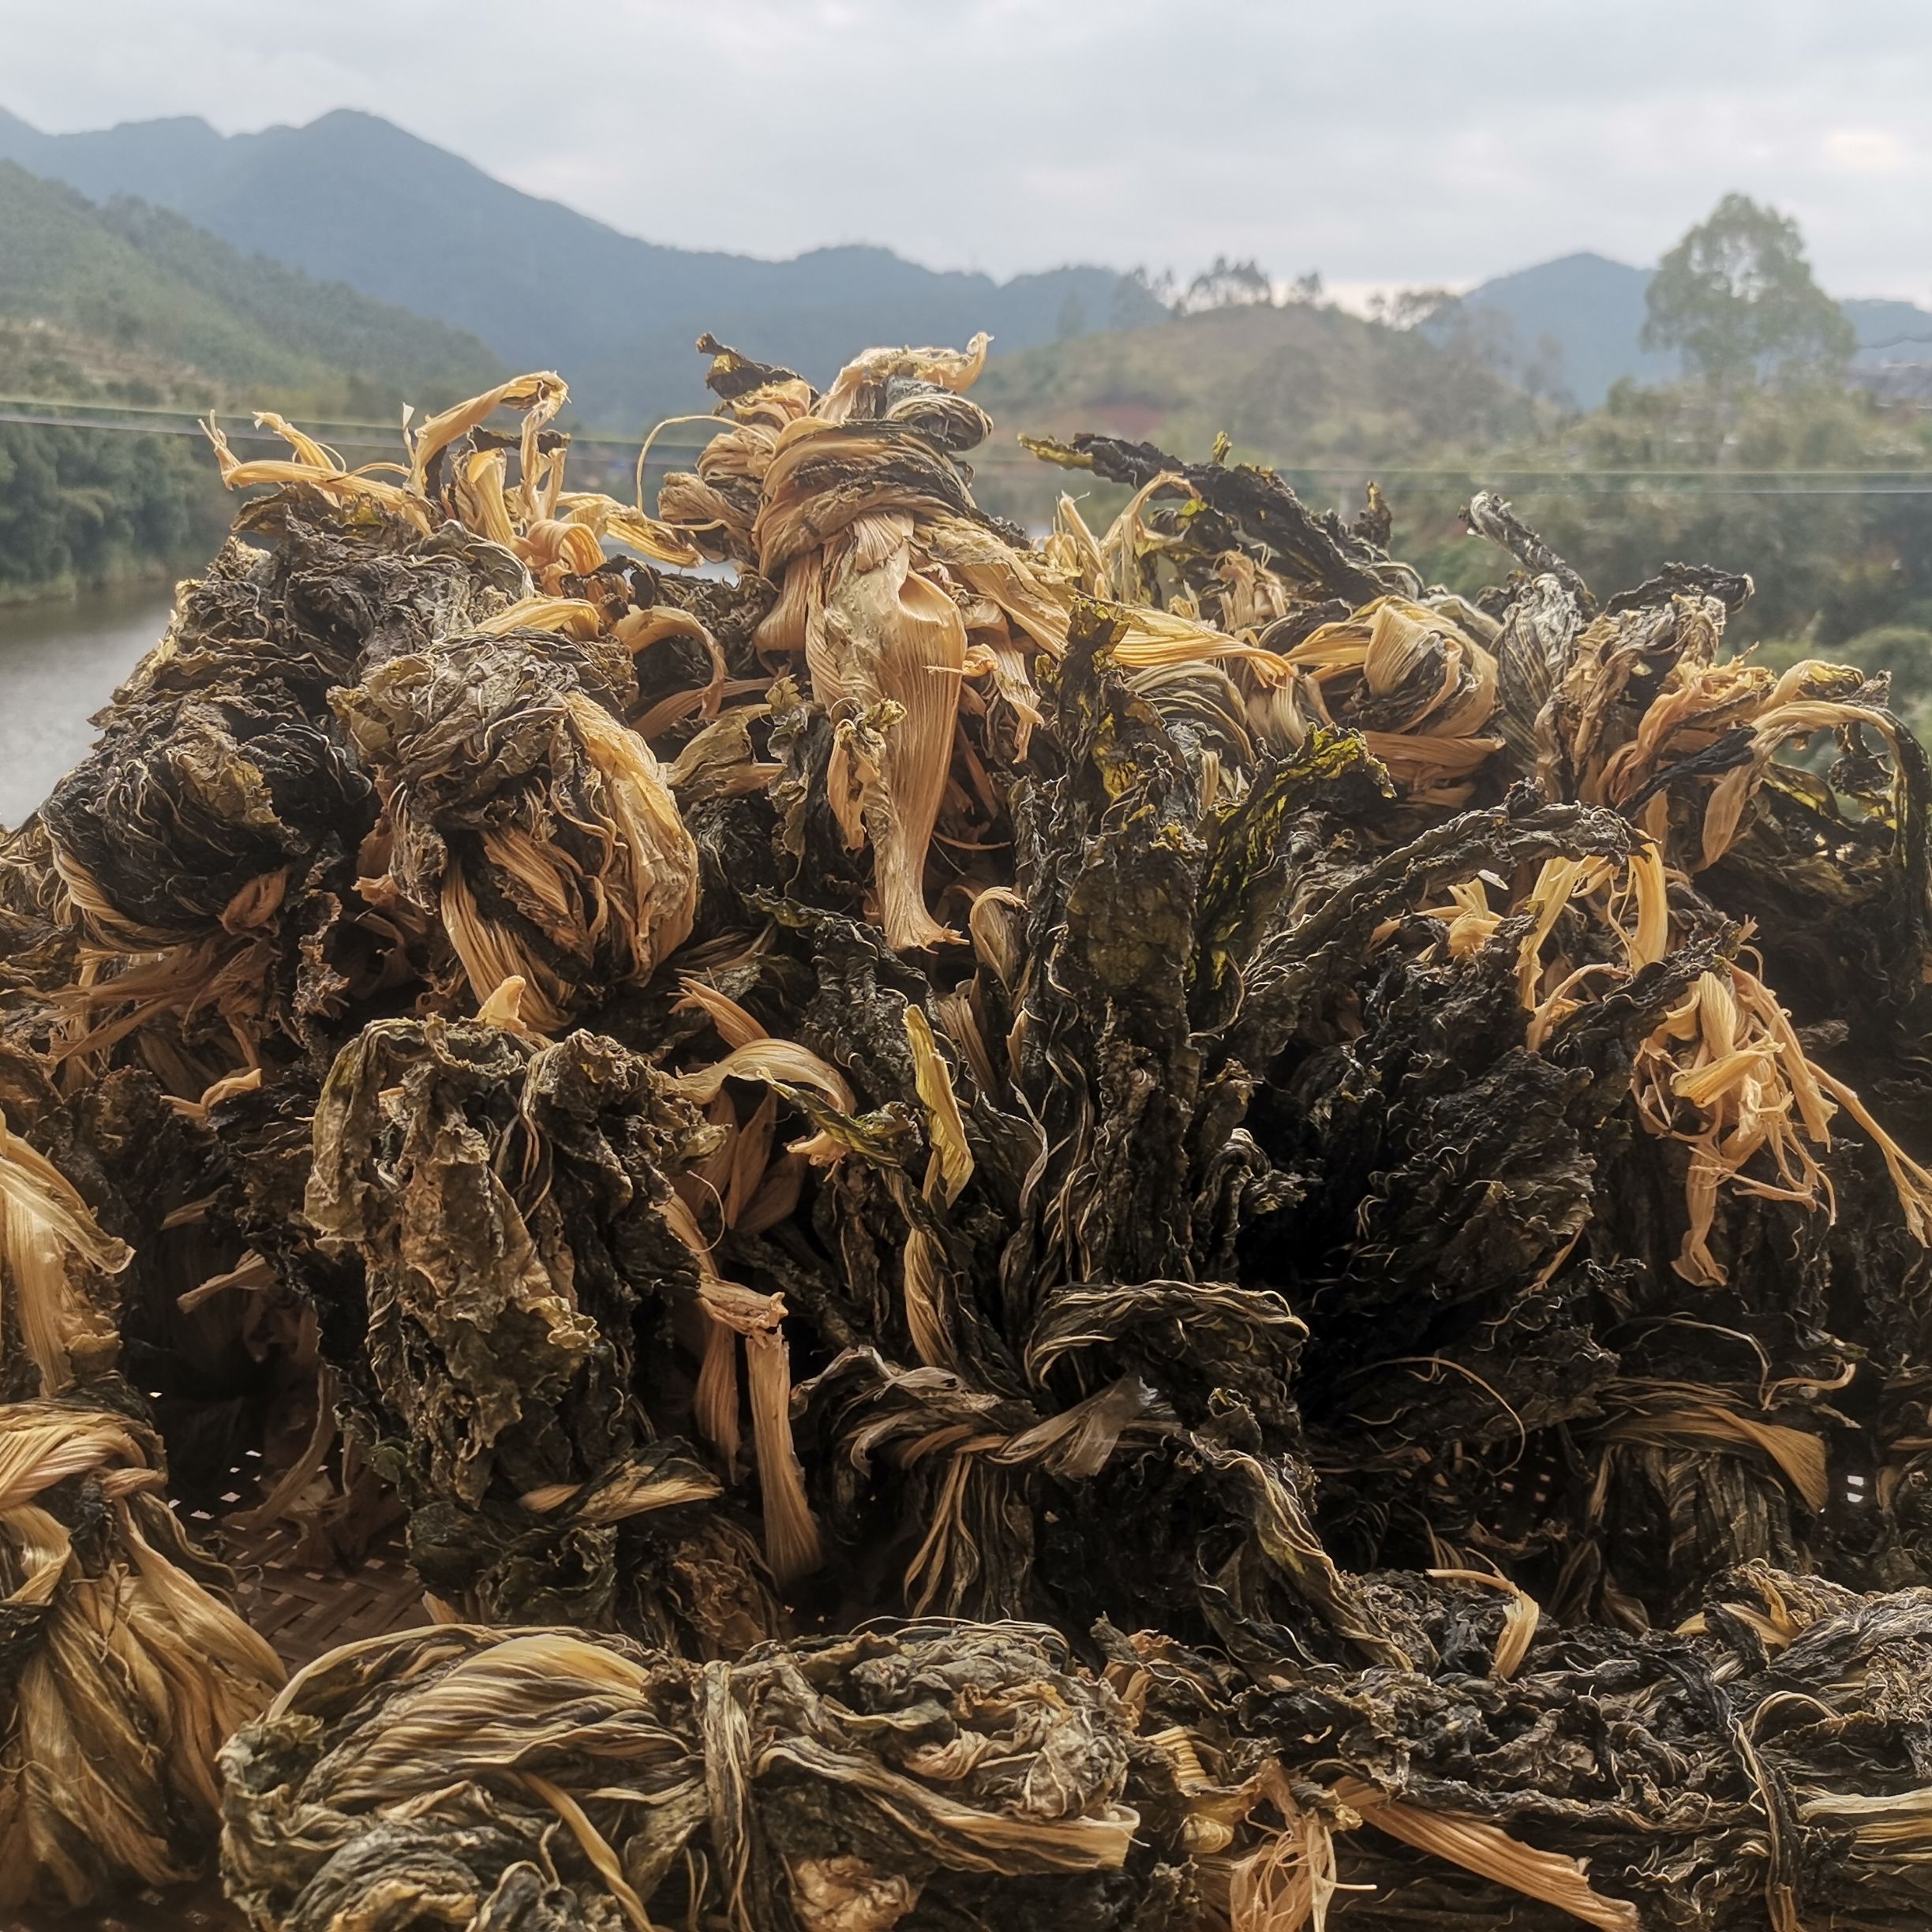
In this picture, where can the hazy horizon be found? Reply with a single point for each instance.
(1403, 145)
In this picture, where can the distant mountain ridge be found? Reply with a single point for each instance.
(127, 287)
(350, 197)
(1591, 309)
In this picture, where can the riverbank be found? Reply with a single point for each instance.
(137, 577)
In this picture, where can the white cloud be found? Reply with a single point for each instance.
(1867, 151)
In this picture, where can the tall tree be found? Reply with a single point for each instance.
(1228, 285)
(1737, 296)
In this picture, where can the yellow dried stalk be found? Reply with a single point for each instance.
(793, 1546)
(957, 370)
(736, 1177)
(1672, 1415)
(1396, 659)
(319, 469)
(1613, 757)
(134, 1680)
(952, 1160)
(782, 1065)
(1726, 1074)
(51, 1249)
(1288, 1881)
(1492, 1853)
(554, 532)
(949, 1167)
(1076, 1442)
(887, 663)
(631, 911)
(1888, 1823)
(1520, 1618)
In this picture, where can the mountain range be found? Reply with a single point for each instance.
(1572, 328)
(351, 245)
(131, 300)
(351, 199)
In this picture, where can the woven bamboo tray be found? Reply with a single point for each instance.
(304, 1611)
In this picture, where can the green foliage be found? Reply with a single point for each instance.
(131, 287)
(1228, 285)
(1736, 295)
(1815, 491)
(1413, 307)
(61, 266)
(80, 509)
(1305, 383)
(1822, 495)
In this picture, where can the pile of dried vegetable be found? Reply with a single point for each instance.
(1155, 1229)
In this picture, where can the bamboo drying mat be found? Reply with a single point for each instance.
(305, 1612)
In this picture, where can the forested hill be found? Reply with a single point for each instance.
(1298, 383)
(1574, 328)
(128, 303)
(129, 283)
(352, 198)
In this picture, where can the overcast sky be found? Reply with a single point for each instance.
(1381, 142)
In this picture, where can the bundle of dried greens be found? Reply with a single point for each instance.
(39, 946)
(204, 851)
(217, 779)
(926, 1775)
(523, 813)
(519, 811)
(523, 1283)
(458, 471)
(1419, 690)
(1246, 510)
(1428, 1055)
(124, 1668)
(1023, 1272)
(1763, 1765)
(111, 1276)
(884, 644)
(905, 601)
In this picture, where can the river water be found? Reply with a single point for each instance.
(58, 663)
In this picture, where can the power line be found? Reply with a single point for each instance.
(52, 413)
(189, 420)
(1679, 481)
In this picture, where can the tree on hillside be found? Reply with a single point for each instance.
(1482, 334)
(1736, 295)
(1136, 283)
(1406, 309)
(1228, 285)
